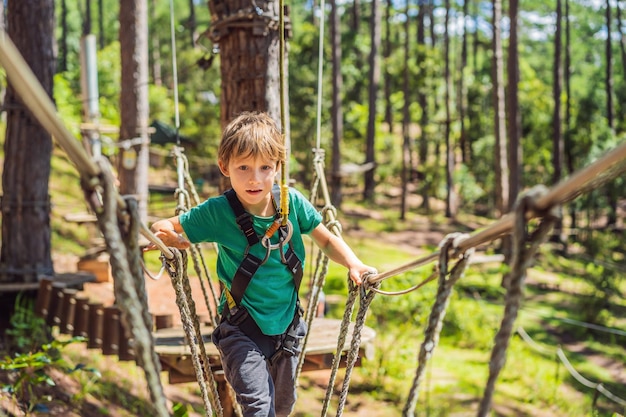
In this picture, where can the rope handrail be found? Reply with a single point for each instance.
(28, 87)
(598, 386)
(563, 192)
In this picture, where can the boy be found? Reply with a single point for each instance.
(261, 329)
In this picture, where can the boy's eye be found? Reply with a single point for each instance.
(243, 168)
(267, 167)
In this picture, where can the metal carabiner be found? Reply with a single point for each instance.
(265, 241)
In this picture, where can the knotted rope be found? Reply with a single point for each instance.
(524, 249)
(177, 268)
(121, 238)
(438, 312)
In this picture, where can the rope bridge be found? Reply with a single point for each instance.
(118, 220)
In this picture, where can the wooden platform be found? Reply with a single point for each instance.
(174, 352)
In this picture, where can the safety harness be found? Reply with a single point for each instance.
(234, 312)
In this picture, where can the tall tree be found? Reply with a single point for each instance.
(461, 96)
(557, 136)
(25, 253)
(609, 67)
(374, 80)
(87, 18)
(451, 197)
(63, 39)
(422, 98)
(191, 23)
(501, 166)
(337, 109)
(514, 114)
(386, 57)
(101, 35)
(406, 120)
(155, 47)
(567, 72)
(134, 109)
(622, 36)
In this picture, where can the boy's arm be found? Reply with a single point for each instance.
(170, 232)
(338, 250)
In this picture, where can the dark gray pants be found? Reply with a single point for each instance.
(264, 388)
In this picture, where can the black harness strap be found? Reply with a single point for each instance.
(251, 263)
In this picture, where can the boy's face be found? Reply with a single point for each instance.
(252, 179)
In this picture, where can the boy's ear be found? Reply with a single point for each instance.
(223, 168)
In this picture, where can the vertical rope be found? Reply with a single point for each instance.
(341, 340)
(318, 282)
(284, 172)
(184, 203)
(367, 296)
(522, 258)
(177, 268)
(320, 76)
(438, 312)
(124, 265)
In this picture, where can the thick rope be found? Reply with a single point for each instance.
(438, 312)
(128, 294)
(522, 259)
(319, 278)
(177, 269)
(367, 296)
(341, 340)
(184, 203)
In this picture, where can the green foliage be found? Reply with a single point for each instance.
(29, 371)
(27, 331)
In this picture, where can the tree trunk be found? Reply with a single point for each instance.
(386, 55)
(609, 72)
(374, 79)
(337, 109)
(155, 48)
(249, 56)
(63, 39)
(567, 138)
(461, 99)
(101, 37)
(622, 36)
(514, 126)
(134, 110)
(191, 22)
(25, 253)
(500, 153)
(514, 115)
(87, 18)
(557, 136)
(451, 197)
(406, 121)
(422, 99)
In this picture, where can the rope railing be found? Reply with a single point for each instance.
(603, 170)
(41, 106)
(598, 386)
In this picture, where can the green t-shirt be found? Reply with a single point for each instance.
(271, 296)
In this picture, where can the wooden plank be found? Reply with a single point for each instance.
(175, 354)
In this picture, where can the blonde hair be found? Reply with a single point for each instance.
(252, 134)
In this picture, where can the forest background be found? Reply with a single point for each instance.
(433, 120)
